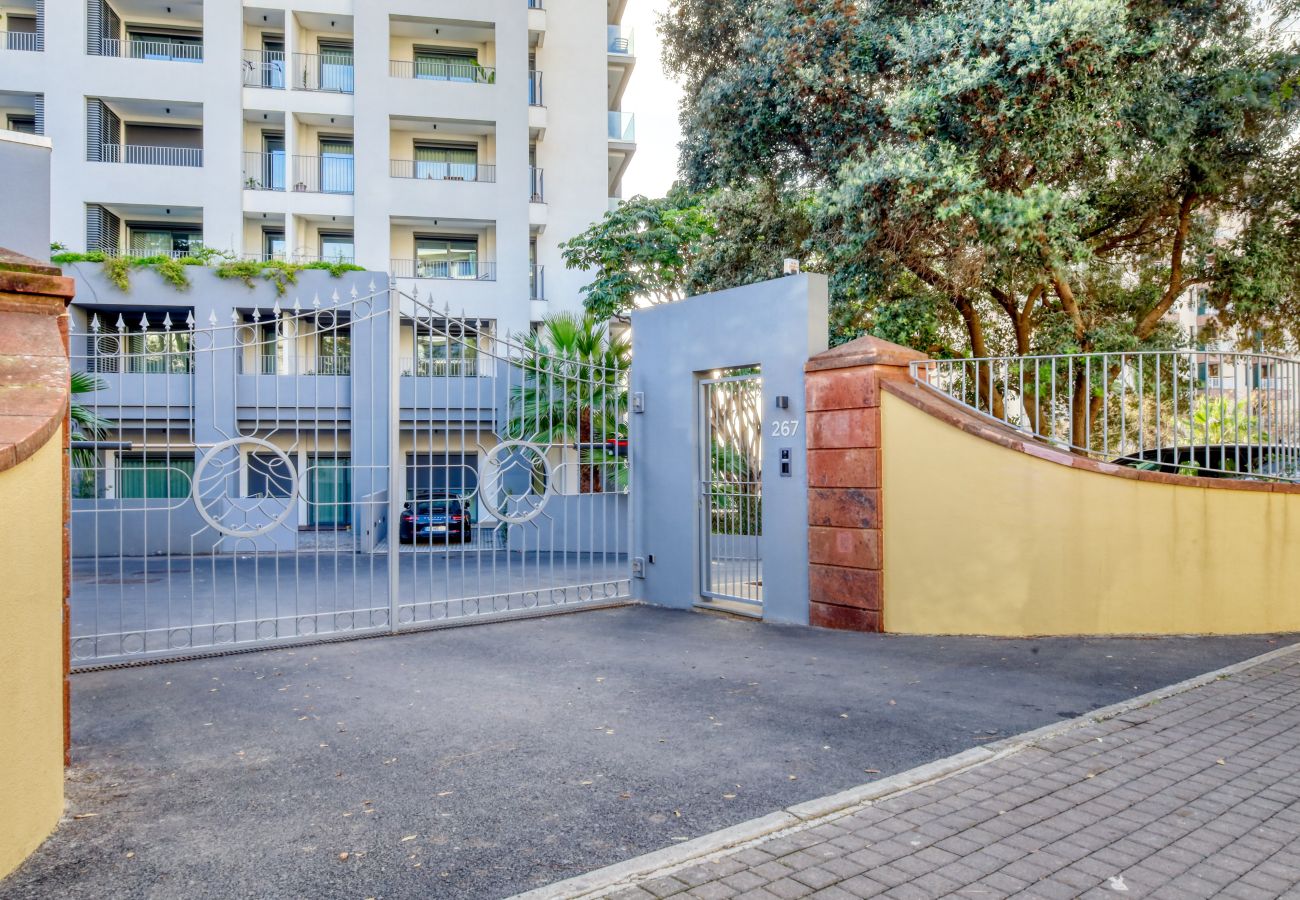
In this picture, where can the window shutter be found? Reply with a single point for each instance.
(94, 28)
(40, 33)
(38, 107)
(94, 131)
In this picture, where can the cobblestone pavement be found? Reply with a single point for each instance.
(1197, 795)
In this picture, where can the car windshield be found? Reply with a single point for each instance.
(437, 508)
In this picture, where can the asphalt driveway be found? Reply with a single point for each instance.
(478, 762)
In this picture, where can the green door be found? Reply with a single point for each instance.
(329, 492)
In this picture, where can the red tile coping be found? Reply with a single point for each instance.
(949, 412)
(865, 351)
(33, 355)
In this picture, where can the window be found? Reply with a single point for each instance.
(273, 161)
(336, 73)
(334, 352)
(166, 44)
(273, 61)
(336, 165)
(268, 476)
(448, 350)
(456, 161)
(337, 247)
(25, 124)
(273, 244)
(154, 477)
(329, 491)
(448, 64)
(446, 257)
(163, 240)
(154, 351)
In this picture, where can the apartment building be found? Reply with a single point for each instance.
(454, 145)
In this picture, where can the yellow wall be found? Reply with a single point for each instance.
(31, 652)
(983, 539)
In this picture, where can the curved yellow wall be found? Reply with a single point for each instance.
(31, 652)
(983, 539)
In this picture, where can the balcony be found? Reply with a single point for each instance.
(620, 41)
(311, 366)
(135, 154)
(331, 73)
(622, 127)
(536, 282)
(167, 51)
(444, 270)
(323, 174)
(21, 40)
(442, 171)
(440, 70)
(535, 88)
(264, 69)
(424, 367)
(263, 171)
(537, 185)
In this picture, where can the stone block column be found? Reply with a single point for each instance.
(846, 588)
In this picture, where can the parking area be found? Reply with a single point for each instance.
(479, 762)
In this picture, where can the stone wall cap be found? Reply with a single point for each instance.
(21, 274)
(865, 351)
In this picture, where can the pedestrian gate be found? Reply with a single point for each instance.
(256, 476)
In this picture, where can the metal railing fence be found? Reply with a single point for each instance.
(142, 154)
(1189, 412)
(442, 171)
(537, 185)
(264, 69)
(262, 363)
(20, 40)
(441, 70)
(445, 269)
(537, 282)
(323, 72)
(454, 367)
(622, 126)
(535, 88)
(168, 51)
(263, 171)
(324, 174)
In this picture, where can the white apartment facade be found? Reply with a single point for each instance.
(453, 144)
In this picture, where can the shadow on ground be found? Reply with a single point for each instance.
(478, 762)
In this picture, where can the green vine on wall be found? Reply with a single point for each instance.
(117, 269)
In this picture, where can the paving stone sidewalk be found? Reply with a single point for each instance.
(1197, 795)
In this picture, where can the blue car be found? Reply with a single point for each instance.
(436, 520)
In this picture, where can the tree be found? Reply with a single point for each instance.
(573, 392)
(86, 424)
(1012, 176)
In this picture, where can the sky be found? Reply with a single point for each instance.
(653, 98)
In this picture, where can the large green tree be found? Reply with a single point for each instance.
(999, 176)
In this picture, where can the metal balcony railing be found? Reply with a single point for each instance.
(457, 367)
(139, 154)
(139, 362)
(264, 171)
(140, 252)
(535, 88)
(620, 41)
(536, 282)
(323, 72)
(167, 51)
(266, 363)
(442, 171)
(537, 185)
(1189, 412)
(535, 4)
(323, 174)
(439, 70)
(622, 126)
(445, 269)
(20, 40)
(264, 69)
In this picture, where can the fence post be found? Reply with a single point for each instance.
(846, 588)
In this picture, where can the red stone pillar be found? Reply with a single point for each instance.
(845, 512)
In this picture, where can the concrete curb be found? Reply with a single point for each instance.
(815, 812)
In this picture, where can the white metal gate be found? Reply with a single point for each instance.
(731, 488)
(356, 465)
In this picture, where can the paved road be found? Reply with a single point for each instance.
(517, 754)
(1195, 796)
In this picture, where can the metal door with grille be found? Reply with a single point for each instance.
(250, 474)
(731, 488)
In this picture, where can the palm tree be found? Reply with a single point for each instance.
(86, 424)
(574, 391)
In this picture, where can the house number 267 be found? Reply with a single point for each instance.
(785, 427)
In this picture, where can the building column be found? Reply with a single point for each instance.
(846, 578)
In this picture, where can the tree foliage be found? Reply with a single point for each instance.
(1000, 176)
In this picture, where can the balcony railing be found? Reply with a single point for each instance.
(264, 69)
(535, 88)
(442, 171)
(439, 70)
(323, 72)
(458, 367)
(620, 41)
(139, 154)
(167, 51)
(445, 269)
(535, 4)
(536, 282)
(323, 174)
(622, 126)
(141, 252)
(537, 185)
(140, 362)
(266, 364)
(20, 40)
(1165, 411)
(263, 171)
